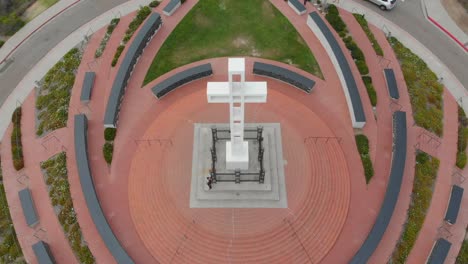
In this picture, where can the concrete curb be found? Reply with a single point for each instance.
(32, 27)
(26, 85)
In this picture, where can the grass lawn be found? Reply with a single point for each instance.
(218, 28)
(425, 174)
(423, 87)
(37, 8)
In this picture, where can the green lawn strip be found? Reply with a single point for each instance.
(462, 138)
(108, 148)
(423, 87)
(106, 37)
(363, 148)
(462, 257)
(55, 91)
(363, 22)
(16, 145)
(141, 15)
(424, 178)
(56, 177)
(233, 28)
(10, 250)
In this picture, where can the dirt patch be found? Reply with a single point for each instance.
(202, 21)
(267, 9)
(458, 13)
(240, 42)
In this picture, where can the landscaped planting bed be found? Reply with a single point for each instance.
(423, 87)
(106, 37)
(10, 250)
(333, 17)
(462, 257)
(424, 178)
(56, 177)
(54, 93)
(363, 148)
(363, 22)
(233, 28)
(462, 138)
(16, 145)
(108, 148)
(141, 15)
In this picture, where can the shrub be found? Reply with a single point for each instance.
(462, 139)
(109, 133)
(375, 45)
(16, 145)
(461, 160)
(105, 39)
(424, 178)
(108, 150)
(154, 4)
(335, 20)
(2, 43)
(117, 54)
(362, 67)
(368, 168)
(462, 257)
(16, 117)
(10, 251)
(370, 89)
(363, 144)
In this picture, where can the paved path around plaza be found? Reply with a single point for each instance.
(436, 14)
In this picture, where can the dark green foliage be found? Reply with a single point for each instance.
(56, 174)
(2, 43)
(370, 89)
(55, 91)
(107, 150)
(154, 4)
(462, 257)
(10, 24)
(16, 145)
(230, 28)
(424, 178)
(109, 133)
(117, 54)
(423, 87)
(461, 160)
(462, 138)
(106, 37)
(363, 148)
(363, 22)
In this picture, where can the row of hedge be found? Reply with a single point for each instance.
(462, 138)
(363, 148)
(10, 250)
(425, 174)
(106, 37)
(16, 145)
(56, 177)
(423, 87)
(333, 17)
(363, 22)
(141, 15)
(55, 91)
(108, 148)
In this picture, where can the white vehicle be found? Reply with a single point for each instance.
(384, 4)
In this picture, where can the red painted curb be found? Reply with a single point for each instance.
(34, 31)
(448, 33)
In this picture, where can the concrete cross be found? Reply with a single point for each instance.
(237, 92)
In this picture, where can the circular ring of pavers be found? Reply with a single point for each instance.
(317, 181)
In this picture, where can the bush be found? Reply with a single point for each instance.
(462, 257)
(16, 145)
(105, 39)
(16, 116)
(117, 54)
(363, 22)
(10, 24)
(362, 144)
(10, 251)
(461, 160)
(368, 168)
(154, 4)
(362, 67)
(109, 133)
(370, 90)
(335, 20)
(2, 43)
(108, 150)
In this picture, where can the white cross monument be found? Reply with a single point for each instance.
(237, 93)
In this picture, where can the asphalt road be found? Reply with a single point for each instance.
(40, 43)
(409, 16)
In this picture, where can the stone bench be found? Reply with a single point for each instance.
(27, 204)
(297, 6)
(131, 57)
(181, 78)
(342, 68)
(171, 7)
(454, 205)
(393, 190)
(89, 192)
(391, 84)
(43, 254)
(439, 252)
(284, 75)
(88, 84)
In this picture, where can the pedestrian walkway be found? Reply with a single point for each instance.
(32, 27)
(437, 15)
